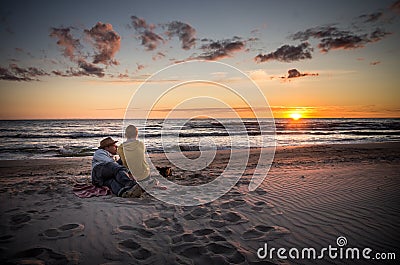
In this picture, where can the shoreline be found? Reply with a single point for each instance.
(311, 196)
(277, 147)
(58, 156)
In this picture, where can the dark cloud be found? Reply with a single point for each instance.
(58, 73)
(287, 53)
(138, 23)
(395, 7)
(106, 41)
(123, 75)
(294, 73)
(375, 63)
(6, 74)
(378, 35)
(150, 40)
(185, 32)
(332, 38)
(216, 50)
(344, 42)
(140, 67)
(158, 56)
(146, 33)
(66, 41)
(16, 73)
(90, 69)
(319, 33)
(85, 69)
(373, 17)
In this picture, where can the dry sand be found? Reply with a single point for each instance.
(311, 196)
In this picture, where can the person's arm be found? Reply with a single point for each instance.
(102, 156)
(122, 159)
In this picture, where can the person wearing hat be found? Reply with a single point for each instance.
(107, 172)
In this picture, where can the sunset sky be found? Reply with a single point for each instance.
(86, 59)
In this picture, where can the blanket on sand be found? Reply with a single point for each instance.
(89, 190)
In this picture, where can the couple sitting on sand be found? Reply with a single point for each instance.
(115, 174)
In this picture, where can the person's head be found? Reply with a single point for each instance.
(131, 132)
(109, 145)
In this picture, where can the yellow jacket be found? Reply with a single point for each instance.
(132, 155)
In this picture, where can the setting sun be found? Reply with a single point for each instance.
(295, 116)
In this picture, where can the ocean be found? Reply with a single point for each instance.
(24, 139)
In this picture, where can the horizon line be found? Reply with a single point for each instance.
(209, 118)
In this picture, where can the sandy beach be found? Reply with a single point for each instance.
(311, 196)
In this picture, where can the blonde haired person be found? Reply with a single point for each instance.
(132, 154)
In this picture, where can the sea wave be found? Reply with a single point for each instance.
(67, 138)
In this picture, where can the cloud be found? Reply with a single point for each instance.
(90, 69)
(375, 63)
(395, 7)
(287, 53)
(216, 50)
(294, 73)
(378, 35)
(106, 41)
(373, 17)
(151, 40)
(332, 38)
(66, 41)
(158, 56)
(146, 33)
(259, 75)
(138, 23)
(140, 67)
(185, 32)
(319, 33)
(344, 42)
(16, 73)
(85, 69)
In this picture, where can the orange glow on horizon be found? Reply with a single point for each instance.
(295, 116)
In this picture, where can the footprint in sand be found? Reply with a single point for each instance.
(19, 220)
(189, 250)
(135, 249)
(257, 232)
(63, 231)
(155, 222)
(233, 203)
(141, 232)
(263, 232)
(198, 212)
(226, 218)
(203, 232)
(231, 254)
(189, 238)
(262, 205)
(6, 238)
(39, 256)
(252, 234)
(221, 248)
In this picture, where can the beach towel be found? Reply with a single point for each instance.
(89, 190)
